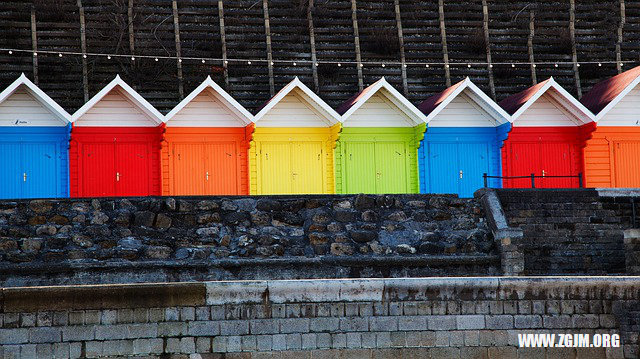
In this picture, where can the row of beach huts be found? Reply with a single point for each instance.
(118, 144)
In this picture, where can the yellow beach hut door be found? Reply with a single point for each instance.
(291, 167)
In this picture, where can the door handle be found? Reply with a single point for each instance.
(378, 174)
(207, 176)
(117, 176)
(460, 174)
(543, 173)
(24, 177)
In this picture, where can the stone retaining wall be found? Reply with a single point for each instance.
(363, 318)
(166, 239)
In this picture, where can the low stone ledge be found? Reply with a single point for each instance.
(34, 299)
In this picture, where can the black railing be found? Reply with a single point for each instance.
(532, 177)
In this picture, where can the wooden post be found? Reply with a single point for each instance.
(267, 29)
(405, 86)
(443, 35)
(34, 45)
(619, 42)
(485, 27)
(176, 30)
(223, 43)
(574, 54)
(312, 41)
(356, 41)
(532, 26)
(83, 46)
(132, 46)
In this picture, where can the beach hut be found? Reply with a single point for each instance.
(377, 149)
(550, 129)
(34, 143)
(465, 134)
(612, 155)
(206, 144)
(115, 145)
(292, 151)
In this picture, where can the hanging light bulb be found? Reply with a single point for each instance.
(271, 63)
(578, 64)
(405, 66)
(599, 64)
(361, 65)
(248, 62)
(10, 52)
(226, 62)
(427, 65)
(469, 65)
(59, 55)
(534, 65)
(382, 65)
(156, 59)
(133, 58)
(35, 54)
(513, 65)
(203, 61)
(295, 64)
(556, 65)
(179, 60)
(108, 57)
(84, 56)
(490, 66)
(339, 64)
(447, 65)
(621, 64)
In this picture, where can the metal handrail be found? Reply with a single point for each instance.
(532, 177)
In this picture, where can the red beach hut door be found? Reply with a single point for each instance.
(556, 161)
(99, 167)
(132, 169)
(526, 161)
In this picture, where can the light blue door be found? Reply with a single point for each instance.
(10, 170)
(39, 169)
(473, 162)
(442, 171)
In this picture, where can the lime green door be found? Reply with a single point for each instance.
(391, 167)
(360, 167)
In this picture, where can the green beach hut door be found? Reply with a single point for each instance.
(375, 167)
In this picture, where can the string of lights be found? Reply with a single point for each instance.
(226, 61)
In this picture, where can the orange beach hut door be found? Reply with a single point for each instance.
(627, 165)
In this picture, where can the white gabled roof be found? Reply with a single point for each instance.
(441, 101)
(227, 100)
(38, 94)
(309, 96)
(564, 98)
(131, 95)
(349, 107)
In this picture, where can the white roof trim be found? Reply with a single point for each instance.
(490, 106)
(571, 103)
(130, 93)
(617, 99)
(39, 95)
(229, 101)
(396, 98)
(316, 102)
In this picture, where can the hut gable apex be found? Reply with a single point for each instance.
(117, 105)
(380, 105)
(530, 106)
(23, 103)
(209, 105)
(295, 105)
(463, 105)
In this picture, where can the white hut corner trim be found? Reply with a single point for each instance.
(117, 104)
(623, 109)
(295, 105)
(554, 95)
(469, 96)
(24, 103)
(209, 114)
(381, 105)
